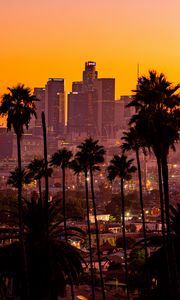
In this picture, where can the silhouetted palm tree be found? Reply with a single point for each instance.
(18, 105)
(132, 142)
(37, 171)
(52, 262)
(79, 165)
(14, 177)
(61, 159)
(93, 155)
(157, 101)
(122, 168)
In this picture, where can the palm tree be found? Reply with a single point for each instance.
(14, 177)
(122, 168)
(93, 155)
(52, 262)
(131, 142)
(157, 101)
(61, 159)
(18, 106)
(79, 165)
(37, 170)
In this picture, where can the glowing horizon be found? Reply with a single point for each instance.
(54, 38)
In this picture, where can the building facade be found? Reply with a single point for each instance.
(55, 105)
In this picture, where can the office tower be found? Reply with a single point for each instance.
(82, 113)
(128, 111)
(39, 93)
(119, 121)
(76, 113)
(55, 105)
(89, 74)
(106, 100)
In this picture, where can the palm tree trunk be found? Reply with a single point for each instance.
(142, 213)
(26, 286)
(171, 251)
(163, 224)
(161, 196)
(46, 171)
(141, 203)
(40, 192)
(89, 235)
(166, 193)
(97, 235)
(124, 237)
(64, 202)
(65, 225)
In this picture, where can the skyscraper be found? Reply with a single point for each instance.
(106, 103)
(55, 105)
(39, 93)
(90, 73)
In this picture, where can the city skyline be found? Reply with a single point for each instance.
(42, 39)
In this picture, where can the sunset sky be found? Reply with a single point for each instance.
(54, 38)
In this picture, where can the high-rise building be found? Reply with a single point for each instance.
(55, 105)
(123, 113)
(106, 100)
(39, 93)
(82, 113)
(90, 73)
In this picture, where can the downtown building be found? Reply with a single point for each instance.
(52, 102)
(91, 105)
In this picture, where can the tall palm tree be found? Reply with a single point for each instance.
(121, 167)
(93, 154)
(157, 101)
(132, 142)
(79, 165)
(18, 105)
(61, 159)
(37, 170)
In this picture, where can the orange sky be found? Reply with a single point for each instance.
(53, 38)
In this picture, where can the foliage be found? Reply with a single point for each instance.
(37, 168)
(120, 167)
(75, 205)
(61, 158)
(18, 105)
(50, 262)
(15, 177)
